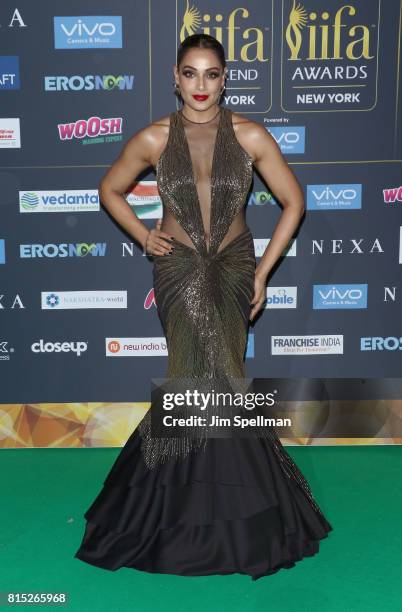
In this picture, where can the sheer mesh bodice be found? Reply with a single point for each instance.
(205, 151)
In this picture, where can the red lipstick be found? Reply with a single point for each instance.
(200, 98)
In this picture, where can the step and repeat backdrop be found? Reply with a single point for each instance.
(80, 337)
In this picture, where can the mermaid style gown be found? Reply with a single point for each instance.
(234, 505)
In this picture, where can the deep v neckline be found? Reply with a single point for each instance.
(211, 178)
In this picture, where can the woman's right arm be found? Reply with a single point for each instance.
(135, 157)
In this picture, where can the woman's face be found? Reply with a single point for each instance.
(200, 74)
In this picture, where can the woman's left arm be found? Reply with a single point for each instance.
(275, 171)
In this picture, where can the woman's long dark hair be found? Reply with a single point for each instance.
(201, 41)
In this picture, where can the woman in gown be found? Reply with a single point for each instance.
(221, 505)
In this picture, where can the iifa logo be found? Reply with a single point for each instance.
(246, 33)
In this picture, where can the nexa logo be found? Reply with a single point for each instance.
(16, 20)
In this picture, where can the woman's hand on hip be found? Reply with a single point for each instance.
(259, 295)
(158, 242)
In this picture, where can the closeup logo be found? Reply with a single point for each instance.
(289, 139)
(51, 251)
(9, 72)
(334, 197)
(92, 130)
(74, 200)
(339, 296)
(89, 82)
(392, 195)
(329, 55)
(59, 347)
(246, 33)
(88, 32)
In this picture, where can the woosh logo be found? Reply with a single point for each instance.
(93, 130)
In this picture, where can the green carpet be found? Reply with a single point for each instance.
(46, 491)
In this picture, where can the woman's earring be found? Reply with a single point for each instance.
(176, 88)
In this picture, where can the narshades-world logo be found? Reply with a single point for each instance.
(89, 82)
(78, 300)
(88, 32)
(93, 130)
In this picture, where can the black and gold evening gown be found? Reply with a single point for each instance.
(220, 505)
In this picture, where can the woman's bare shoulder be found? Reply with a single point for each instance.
(154, 137)
(250, 133)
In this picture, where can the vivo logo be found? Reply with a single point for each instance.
(81, 29)
(334, 197)
(88, 32)
(339, 296)
(289, 139)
